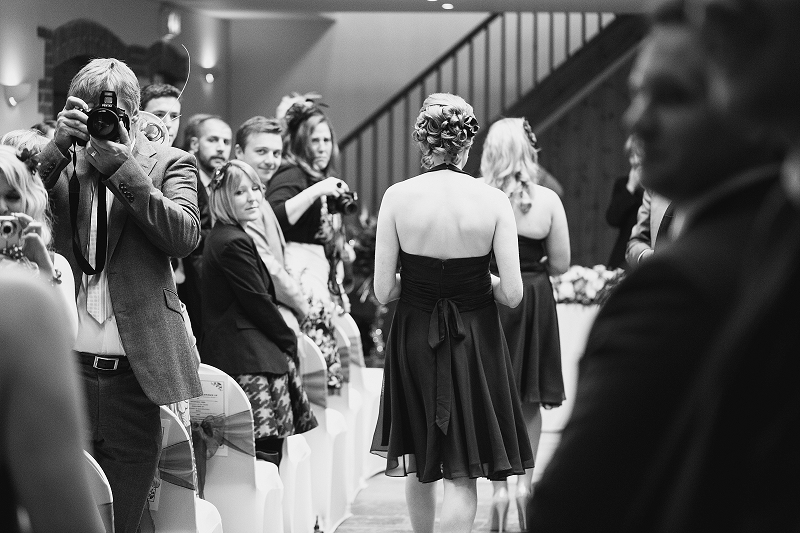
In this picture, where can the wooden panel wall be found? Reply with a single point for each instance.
(584, 150)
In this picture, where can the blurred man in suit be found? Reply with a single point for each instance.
(731, 463)
(651, 335)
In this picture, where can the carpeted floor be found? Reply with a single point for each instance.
(381, 507)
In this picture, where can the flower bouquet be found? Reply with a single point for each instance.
(586, 286)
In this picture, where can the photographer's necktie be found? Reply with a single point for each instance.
(97, 304)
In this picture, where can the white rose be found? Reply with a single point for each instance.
(566, 291)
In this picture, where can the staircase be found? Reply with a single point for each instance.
(512, 64)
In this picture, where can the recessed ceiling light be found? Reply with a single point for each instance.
(447, 6)
(433, 0)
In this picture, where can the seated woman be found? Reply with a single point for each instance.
(24, 204)
(304, 196)
(244, 334)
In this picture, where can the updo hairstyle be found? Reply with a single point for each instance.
(509, 161)
(446, 125)
(300, 121)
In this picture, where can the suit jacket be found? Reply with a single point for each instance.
(731, 460)
(153, 217)
(243, 331)
(643, 235)
(622, 214)
(644, 349)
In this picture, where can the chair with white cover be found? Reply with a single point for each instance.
(368, 382)
(173, 505)
(328, 441)
(248, 493)
(101, 491)
(350, 404)
(298, 511)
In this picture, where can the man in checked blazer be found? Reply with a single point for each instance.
(132, 344)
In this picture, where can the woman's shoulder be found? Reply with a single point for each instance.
(288, 174)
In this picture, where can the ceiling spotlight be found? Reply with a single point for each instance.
(447, 6)
(209, 78)
(433, 0)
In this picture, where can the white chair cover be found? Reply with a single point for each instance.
(248, 493)
(101, 491)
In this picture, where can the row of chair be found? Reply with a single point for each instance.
(321, 472)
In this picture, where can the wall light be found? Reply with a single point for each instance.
(17, 93)
(447, 6)
(209, 77)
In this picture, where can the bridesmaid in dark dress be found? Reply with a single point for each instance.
(509, 163)
(449, 408)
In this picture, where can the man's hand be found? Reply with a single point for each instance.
(108, 156)
(71, 124)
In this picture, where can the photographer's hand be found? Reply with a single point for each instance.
(108, 156)
(71, 124)
(329, 187)
(33, 246)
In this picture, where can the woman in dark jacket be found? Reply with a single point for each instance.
(244, 334)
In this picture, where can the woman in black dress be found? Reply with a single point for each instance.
(303, 193)
(509, 163)
(449, 407)
(244, 334)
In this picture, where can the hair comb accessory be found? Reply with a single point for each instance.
(27, 157)
(219, 175)
(529, 132)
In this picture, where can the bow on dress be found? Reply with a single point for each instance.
(445, 324)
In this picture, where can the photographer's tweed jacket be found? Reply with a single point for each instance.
(153, 217)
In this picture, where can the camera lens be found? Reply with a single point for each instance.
(7, 228)
(103, 124)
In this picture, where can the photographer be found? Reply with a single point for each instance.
(25, 231)
(308, 203)
(131, 205)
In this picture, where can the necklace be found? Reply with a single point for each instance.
(448, 166)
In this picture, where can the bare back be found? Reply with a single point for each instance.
(445, 214)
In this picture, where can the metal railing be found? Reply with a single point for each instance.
(492, 67)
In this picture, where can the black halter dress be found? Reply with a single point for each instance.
(449, 406)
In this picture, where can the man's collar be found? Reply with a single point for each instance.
(689, 210)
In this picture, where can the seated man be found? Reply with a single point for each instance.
(259, 144)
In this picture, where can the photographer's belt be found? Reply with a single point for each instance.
(102, 222)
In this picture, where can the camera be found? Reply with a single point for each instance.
(345, 204)
(104, 119)
(10, 231)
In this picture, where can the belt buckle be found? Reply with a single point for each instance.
(98, 359)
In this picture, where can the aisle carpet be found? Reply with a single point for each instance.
(381, 507)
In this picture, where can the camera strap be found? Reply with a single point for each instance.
(102, 223)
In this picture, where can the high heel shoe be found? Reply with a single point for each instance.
(499, 509)
(523, 496)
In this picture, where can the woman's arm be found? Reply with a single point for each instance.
(387, 248)
(240, 264)
(298, 204)
(557, 241)
(508, 287)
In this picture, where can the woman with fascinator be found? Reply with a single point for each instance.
(245, 334)
(449, 407)
(509, 162)
(299, 193)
